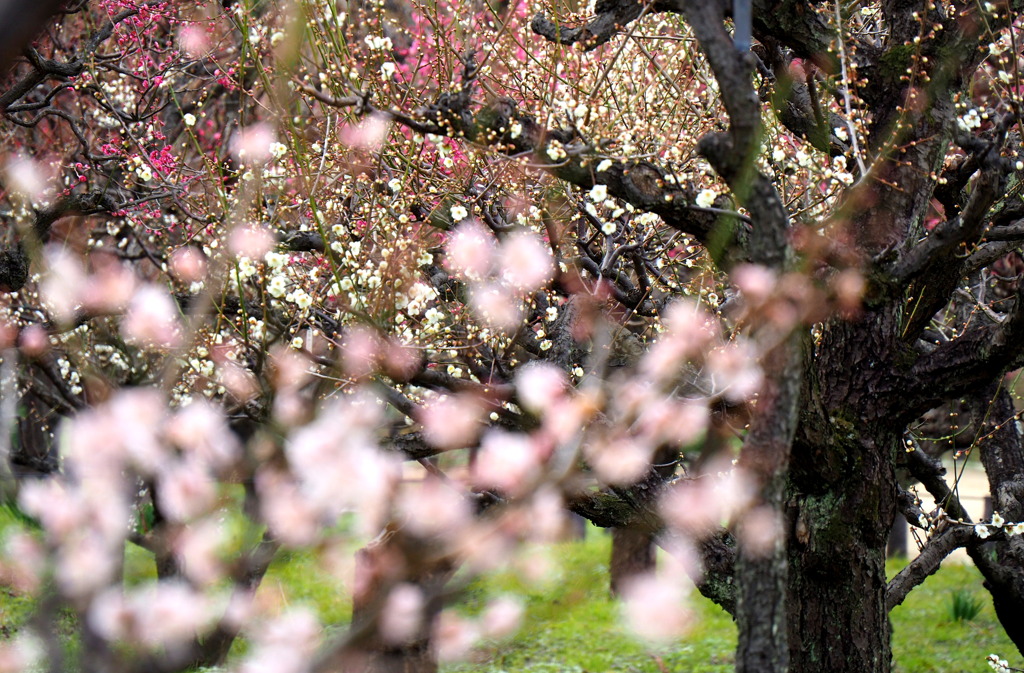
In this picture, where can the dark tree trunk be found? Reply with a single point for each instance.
(633, 553)
(841, 497)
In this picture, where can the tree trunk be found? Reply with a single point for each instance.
(633, 553)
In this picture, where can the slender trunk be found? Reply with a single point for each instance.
(633, 553)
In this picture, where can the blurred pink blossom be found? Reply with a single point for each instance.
(431, 507)
(540, 387)
(252, 143)
(452, 421)
(656, 608)
(619, 460)
(496, 306)
(733, 370)
(502, 618)
(152, 318)
(185, 489)
(402, 614)
(525, 261)
(252, 241)
(507, 462)
(469, 250)
(754, 281)
(368, 134)
(454, 636)
(188, 264)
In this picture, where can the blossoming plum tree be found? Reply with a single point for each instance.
(693, 270)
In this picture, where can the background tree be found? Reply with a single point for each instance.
(628, 262)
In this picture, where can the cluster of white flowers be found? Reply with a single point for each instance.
(971, 120)
(997, 664)
(377, 43)
(983, 530)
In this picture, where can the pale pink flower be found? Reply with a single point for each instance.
(87, 563)
(188, 264)
(506, 462)
(401, 361)
(547, 515)
(201, 430)
(368, 134)
(656, 608)
(152, 318)
(451, 421)
(402, 615)
(361, 352)
(431, 507)
(540, 387)
(754, 281)
(502, 618)
(198, 548)
(469, 250)
(109, 288)
(34, 340)
(21, 653)
(29, 178)
(759, 530)
(285, 644)
(667, 420)
(619, 460)
(24, 562)
(63, 281)
(185, 490)
(733, 370)
(252, 143)
(525, 261)
(454, 636)
(193, 40)
(287, 514)
(496, 306)
(58, 508)
(252, 241)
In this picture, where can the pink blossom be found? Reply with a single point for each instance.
(201, 430)
(496, 306)
(109, 288)
(185, 490)
(29, 178)
(284, 644)
(733, 370)
(189, 264)
(502, 617)
(252, 143)
(759, 530)
(431, 508)
(361, 352)
(369, 134)
(193, 41)
(656, 608)
(454, 636)
(525, 261)
(469, 250)
(152, 318)
(62, 284)
(198, 548)
(252, 241)
(507, 462)
(754, 281)
(451, 421)
(540, 387)
(402, 614)
(619, 460)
